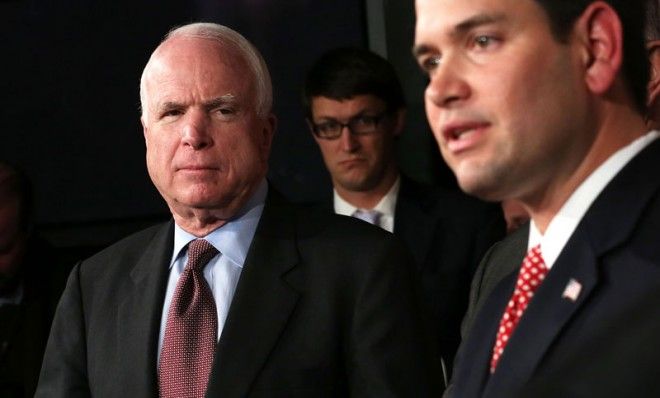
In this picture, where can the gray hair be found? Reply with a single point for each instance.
(227, 36)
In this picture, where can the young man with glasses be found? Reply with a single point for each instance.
(356, 110)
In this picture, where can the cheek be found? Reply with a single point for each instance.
(433, 116)
(328, 150)
(10, 260)
(376, 149)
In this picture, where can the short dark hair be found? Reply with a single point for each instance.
(652, 20)
(562, 15)
(345, 72)
(15, 183)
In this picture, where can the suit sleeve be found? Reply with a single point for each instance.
(64, 368)
(391, 352)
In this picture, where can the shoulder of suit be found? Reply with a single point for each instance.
(444, 200)
(132, 243)
(321, 225)
(511, 250)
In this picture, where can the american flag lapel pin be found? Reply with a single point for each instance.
(572, 290)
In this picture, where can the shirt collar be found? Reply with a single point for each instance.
(232, 239)
(564, 223)
(385, 206)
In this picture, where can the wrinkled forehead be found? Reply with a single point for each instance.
(181, 64)
(194, 54)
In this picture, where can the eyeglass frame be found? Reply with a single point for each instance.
(376, 120)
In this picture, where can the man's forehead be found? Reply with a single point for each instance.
(451, 19)
(206, 78)
(453, 15)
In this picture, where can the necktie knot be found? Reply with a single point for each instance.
(200, 252)
(370, 216)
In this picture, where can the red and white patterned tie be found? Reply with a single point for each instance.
(532, 272)
(191, 331)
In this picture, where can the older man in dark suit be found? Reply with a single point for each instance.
(534, 100)
(241, 294)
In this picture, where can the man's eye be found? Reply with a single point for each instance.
(226, 111)
(364, 120)
(428, 64)
(484, 41)
(327, 126)
(171, 113)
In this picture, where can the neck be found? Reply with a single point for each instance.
(614, 133)
(370, 198)
(199, 226)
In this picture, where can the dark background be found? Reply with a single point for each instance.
(69, 92)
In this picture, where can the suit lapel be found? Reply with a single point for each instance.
(607, 224)
(260, 308)
(547, 315)
(139, 317)
(475, 352)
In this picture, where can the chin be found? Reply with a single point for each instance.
(480, 186)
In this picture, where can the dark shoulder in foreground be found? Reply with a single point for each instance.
(313, 221)
(134, 245)
(445, 200)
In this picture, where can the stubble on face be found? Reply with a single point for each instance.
(497, 100)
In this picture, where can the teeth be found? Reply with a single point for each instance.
(459, 133)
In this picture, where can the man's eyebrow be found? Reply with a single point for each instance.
(420, 50)
(168, 105)
(219, 101)
(461, 28)
(213, 103)
(475, 21)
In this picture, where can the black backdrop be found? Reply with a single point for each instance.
(69, 98)
(69, 93)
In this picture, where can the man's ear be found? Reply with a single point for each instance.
(145, 130)
(399, 121)
(310, 124)
(653, 47)
(270, 125)
(600, 34)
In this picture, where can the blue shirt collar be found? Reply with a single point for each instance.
(232, 239)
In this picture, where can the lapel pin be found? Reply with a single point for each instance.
(572, 290)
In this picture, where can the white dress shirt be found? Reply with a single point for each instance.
(385, 206)
(232, 240)
(564, 223)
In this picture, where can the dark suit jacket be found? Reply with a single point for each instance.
(24, 327)
(500, 260)
(448, 233)
(613, 254)
(324, 307)
(612, 364)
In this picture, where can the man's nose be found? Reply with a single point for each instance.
(447, 87)
(195, 130)
(347, 140)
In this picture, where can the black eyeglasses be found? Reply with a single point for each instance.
(358, 125)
